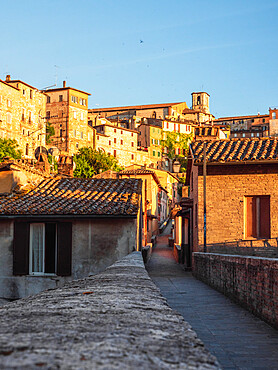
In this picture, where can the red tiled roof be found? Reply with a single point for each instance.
(241, 117)
(139, 171)
(133, 107)
(73, 196)
(236, 150)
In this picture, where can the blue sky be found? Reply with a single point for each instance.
(142, 52)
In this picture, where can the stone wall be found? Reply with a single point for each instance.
(115, 320)
(250, 281)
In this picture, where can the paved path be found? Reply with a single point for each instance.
(238, 339)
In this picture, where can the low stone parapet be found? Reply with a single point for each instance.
(250, 281)
(115, 320)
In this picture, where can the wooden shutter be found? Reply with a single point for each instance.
(21, 248)
(64, 247)
(251, 224)
(265, 217)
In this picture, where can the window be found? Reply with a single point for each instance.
(9, 118)
(109, 142)
(243, 135)
(27, 149)
(9, 103)
(132, 157)
(74, 99)
(132, 134)
(115, 140)
(154, 153)
(42, 248)
(77, 145)
(115, 130)
(74, 114)
(252, 134)
(81, 134)
(30, 117)
(258, 134)
(61, 132)
(31, 94)
(132, 143)
(115, 153)
(257, 216)
(60, 97)
(23, 92)
(198, 100)
(158, 154)
(74, 133)
(48, 99)
(122, 142)
(97, 137)
(121, 132)
(273, 115)
(23, 115)
(48, 114)
(235, 135)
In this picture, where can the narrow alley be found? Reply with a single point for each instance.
(237, 338)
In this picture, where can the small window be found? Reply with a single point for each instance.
(243, 135)
(109, 142)
(47, 114)
(60, 97)
(115, 140)
(153, 153)
(252, 134)
(273, 115)
(115, 153)
(77, 145)
(74, 133)
(132, 143)
(132, 134)
(121, 132)
(81, 134)
(27, 148)
(97, 137)
(132, 157)
(122, 142)
(115, 130)
(9, 103)
(61, 132)
(23, 92)
(31, 94)
(158, 154)
(48, 99)
(9, 118)
(74, 115)
(258, 134)
(257, 216)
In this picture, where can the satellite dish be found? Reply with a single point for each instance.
(54, 151)
(40, 149)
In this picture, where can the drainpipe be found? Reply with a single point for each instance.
(205, 196)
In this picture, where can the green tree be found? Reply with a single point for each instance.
(90, 162)
(50, 131)
(8, 148)
(173, 141)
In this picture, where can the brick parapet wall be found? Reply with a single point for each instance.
(250, 281)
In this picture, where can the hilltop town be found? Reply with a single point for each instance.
(199, 190)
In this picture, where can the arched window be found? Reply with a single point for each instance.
(198, 100)
(154, 114)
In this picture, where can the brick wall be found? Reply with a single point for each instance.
(227, 187)
(250, 281)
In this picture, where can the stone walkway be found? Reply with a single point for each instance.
(238, 339)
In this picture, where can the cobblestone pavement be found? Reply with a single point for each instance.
(238, 339)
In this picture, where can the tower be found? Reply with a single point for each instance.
(200, 102)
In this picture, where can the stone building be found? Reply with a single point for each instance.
(22, 115)
(154, 200)
(199, 112)
(241, 191)
(246, 126)
(65, 229)
(117, 141)
(67, 112)
(273, 121)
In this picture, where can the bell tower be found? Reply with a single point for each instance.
(200, 102)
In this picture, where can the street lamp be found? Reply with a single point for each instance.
(176, 166)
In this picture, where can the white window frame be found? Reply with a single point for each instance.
(30, 250)
(40, 273)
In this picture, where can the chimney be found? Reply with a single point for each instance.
(64, 83)
(8, 78)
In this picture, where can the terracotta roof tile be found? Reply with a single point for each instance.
(236, 150)
(76, 197)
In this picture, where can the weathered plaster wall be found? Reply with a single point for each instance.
(96, 244)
